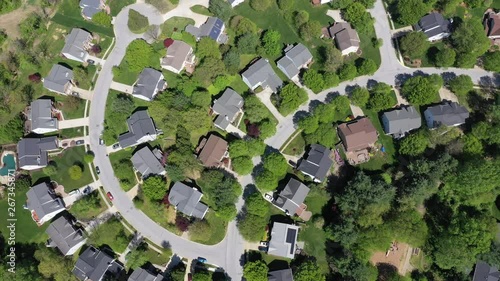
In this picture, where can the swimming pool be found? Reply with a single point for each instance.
(9, 162)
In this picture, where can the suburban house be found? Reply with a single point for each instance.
(186, 200)
(317, 163)
(76, 46)
(400, 121)
(447, 113)
(90, 8)
(212, 151)
(492, 25)
(43, 203)
(147, 162)
(141, 128)
(291, 199)
(59, 80)
(296, 57)
(235, 3)
(228, 106)
(434, 26)
(65, 236)
(357, 137)
(148, 85)
(213, 28)
(261, 73)
(485, 272)
(345, 37)
(40, 117)
(280, 275)
(95, 265)
(141, 274)
(32, 153)
(179, 55)
(283, 241)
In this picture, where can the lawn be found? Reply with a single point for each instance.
(162, 215)
(124, 171)
(175, 24)
(122, 74)
(112, 234)
(217, 231)
(70, 16)
(85, 209)
(367, 48)
(199, 9)
(64, 161)
(296, 145)
(156, 258)
(117, 5)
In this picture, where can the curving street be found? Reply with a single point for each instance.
(227, 253)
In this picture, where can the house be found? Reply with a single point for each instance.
(187, 200)
(280, 275)
(235, 3)
(434, 26)
(141, 274)
(148, 85)
(147, 162)
(357, 138)
(77, 44)
(291, 199)
(60, 80)
(43, 203)
(448, 113)
(95, 265)
(32, 153)
(65, 236)
(283, 241)
(40, 117)
(212, 151)
(90, 8)
(228, 106)
(261, 73)
(492, 25)
(213, 28)
(179, 55)
(141, 128)
(317, 163)
(345, 37)
(296, 58)
(400, 121)
(485, 272)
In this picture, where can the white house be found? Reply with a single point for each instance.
(77, 44)
(43, 203)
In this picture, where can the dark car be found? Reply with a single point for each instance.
(116, 146)
(80, 142)
(190, 277)
(91, 61)
(110, 196)
(98, 171)
(202, 260)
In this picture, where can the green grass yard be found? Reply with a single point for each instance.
(117, 5)
(296, 145)
(199, 9)
(175, 24)
(112, 234)
(217, 231)
(80, 210)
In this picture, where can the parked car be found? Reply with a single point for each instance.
(101, 141)
(87, 190)
(116, 145)
(202, 260)
(98, 171)
(190, 277)
(91, 61)
(76, 94)
(80, 142)
(269, 197)
(110, 196)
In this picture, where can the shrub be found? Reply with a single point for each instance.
(360, 96)
(181, 222)
(75, 172)
(101, 18)
(137, 23)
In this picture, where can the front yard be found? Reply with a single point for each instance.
(88, 207)
(112, 234)
(123, 168)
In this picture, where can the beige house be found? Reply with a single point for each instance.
(179, 56)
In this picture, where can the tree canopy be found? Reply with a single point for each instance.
(291, 97)
(410, 11)
(414, 44)
(154, 187)
(255, 271)
(138, 55)
(420, 90)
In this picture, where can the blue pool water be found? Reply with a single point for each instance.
(9, 162)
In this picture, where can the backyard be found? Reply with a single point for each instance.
(63, 162)
(112, 234)
(70, 16)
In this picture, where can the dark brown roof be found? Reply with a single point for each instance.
(357, 135)
(492, 24)
(213, 151)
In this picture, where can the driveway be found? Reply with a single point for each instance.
(124, 88)
(73, 123)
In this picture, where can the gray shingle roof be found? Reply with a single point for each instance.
(146, 163)
(283, 240)
(229, 104)
(280, 275)
(75, 43)
(92, 264)
(317, 163)
(485, 272)
(139, 125)
(33, 151)
(261, 72)
(59, 76)
(64, 235)
(187, 200)
(294, 60)
(400, 121)
(42, 200)
(433, 24)
(212, 28)
(292, 196)
(41, 115)
(90, 7)
(141, 274)
(344, 35)
(447, 113)
(149, 83)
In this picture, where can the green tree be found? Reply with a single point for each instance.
(382, 97)
(309, 124)
(347, 72)
(260, 5)
(137, 23)
(256, 147)
(220, 9)
(414, 144)
(221, 192)
(469, 38)
(177, 273)
(256, 205)
(247, 43)
(245, 25)
(360, 19)
(75, 172)
(231, 60)
(367, 67)
(201, 99)
(50, 170)
(271, 42)
(255, 110)
(138, 55)
(202, 275)
(472, 145)
(47, 259)
(12, 131)
(310, 30)
(445, 57)
(88, 157)
(414, 44)
(309, 271)
(461, 85)
(291, 97)
(301, 17)
(491, 61)
(208, 69)
(285, 4)
(360, 96)
(266, 181)
(154, 187)
(331, 58)
(330, 79)
(325, 113)
(255, 271)
(276, 164)
(252, 227)
(313, 80)
(324, 135)
(267, 129)
(242, 165)
(419, 90)
(238, 148)
(465, 60)
(137, 257)
(410, 11)
(207, 47)
(101, 18)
